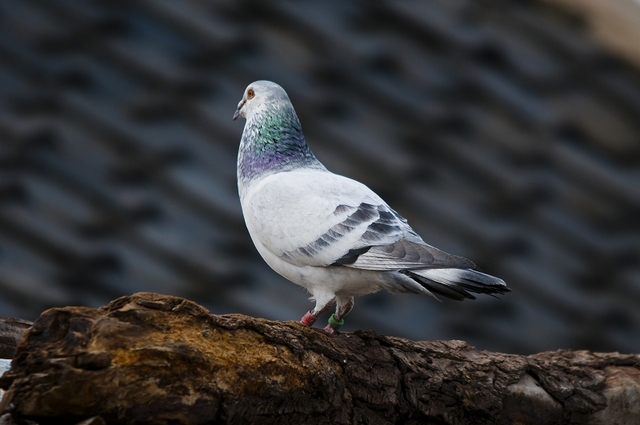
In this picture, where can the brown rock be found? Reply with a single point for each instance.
(11, 331)
(149, 358)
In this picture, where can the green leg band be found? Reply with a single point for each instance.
(334, 323)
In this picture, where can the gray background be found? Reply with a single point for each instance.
(499, 129)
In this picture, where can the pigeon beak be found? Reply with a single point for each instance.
(240, 105)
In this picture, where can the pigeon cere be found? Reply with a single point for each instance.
(330, 234)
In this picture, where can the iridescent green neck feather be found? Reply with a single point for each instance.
(272, 141)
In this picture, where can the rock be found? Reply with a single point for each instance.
(149, 358)
(5, 364)
(11, 331)
(9, 419)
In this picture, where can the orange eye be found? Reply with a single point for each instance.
(250, 94)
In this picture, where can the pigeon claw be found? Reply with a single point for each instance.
(327, 330)
(332, 327)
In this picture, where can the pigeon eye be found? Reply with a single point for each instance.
(250, 94)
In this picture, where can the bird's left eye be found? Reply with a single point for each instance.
(250, 94)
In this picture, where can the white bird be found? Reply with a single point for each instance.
(327, 233)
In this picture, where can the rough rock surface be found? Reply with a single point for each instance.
(149, 358)
(11, 331)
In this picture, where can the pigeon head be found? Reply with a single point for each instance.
(272, 140)
(261, 94)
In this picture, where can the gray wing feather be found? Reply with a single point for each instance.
(388, 243)
(406, 255)
(372, 224)
(384, 241)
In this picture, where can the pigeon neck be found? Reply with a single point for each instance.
(272, 141)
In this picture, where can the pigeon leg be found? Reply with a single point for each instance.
(322, 304)
(343, 307)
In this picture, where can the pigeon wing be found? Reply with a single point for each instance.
(317, 218)
(407, 255)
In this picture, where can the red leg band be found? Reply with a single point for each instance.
(308, 319)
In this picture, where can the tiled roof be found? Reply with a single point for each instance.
(499, 129)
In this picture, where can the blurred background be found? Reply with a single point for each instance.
(505, 131)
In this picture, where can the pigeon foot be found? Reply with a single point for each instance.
(327, 330)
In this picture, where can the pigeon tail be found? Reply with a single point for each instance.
(457, 284)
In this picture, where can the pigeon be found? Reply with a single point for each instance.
(330, 234)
